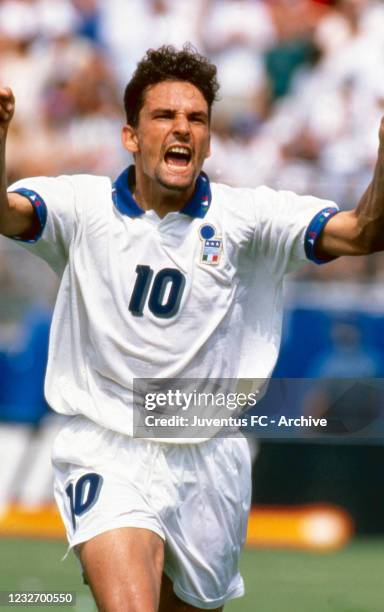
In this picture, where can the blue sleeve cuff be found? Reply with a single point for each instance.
(40, 210)
(313, 232)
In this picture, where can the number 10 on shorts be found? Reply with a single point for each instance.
(84, 494)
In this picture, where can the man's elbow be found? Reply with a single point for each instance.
(16, 215)
(5, 219)
(7, 216)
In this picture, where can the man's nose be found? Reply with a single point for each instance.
(181, 125)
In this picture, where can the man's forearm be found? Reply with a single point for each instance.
(359, 231)
(16, 212)
(370, 209)
(9, 219)
(4, 202)
(6, 113)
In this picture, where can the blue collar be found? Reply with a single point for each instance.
(124, 201)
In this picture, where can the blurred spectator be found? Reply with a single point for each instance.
(294, 22)
(236, 33)
(89, 19)
(128, 29)
(23, 371)
(345, 394)
(81, 105)
(347, 356)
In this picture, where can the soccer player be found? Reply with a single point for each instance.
(164, 275)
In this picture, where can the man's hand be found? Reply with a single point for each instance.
(7, 108)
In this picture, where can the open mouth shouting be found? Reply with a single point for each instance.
(178, 157)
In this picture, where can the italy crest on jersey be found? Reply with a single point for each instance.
(212, 245)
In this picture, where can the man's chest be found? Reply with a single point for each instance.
(158, 268)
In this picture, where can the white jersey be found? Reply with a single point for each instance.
(196, 294)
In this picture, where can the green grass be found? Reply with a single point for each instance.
(37, 565)
(276, 581)
(350, 580)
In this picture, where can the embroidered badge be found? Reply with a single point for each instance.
(212, 245)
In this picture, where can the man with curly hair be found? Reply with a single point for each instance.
(164, 275)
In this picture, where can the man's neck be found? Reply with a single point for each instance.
(151, 196)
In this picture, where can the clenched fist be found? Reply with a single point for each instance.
(7, 107)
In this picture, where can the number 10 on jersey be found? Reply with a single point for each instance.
(162, 292)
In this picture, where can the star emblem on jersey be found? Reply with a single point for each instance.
(212, 245)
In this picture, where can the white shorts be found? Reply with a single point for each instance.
(196, 497)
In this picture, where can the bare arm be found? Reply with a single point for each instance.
(16, 212)
(359, 231)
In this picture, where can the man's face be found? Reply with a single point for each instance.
(171, 140)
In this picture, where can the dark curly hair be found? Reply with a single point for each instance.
(168, 64)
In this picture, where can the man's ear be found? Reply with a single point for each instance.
(129, 139)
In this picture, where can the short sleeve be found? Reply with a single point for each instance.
(288, 227)
(54, 203)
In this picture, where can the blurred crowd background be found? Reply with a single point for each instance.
(302, 93)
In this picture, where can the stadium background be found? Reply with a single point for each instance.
(301, 99)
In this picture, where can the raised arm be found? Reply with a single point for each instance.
(359, 231)
(16, 212)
